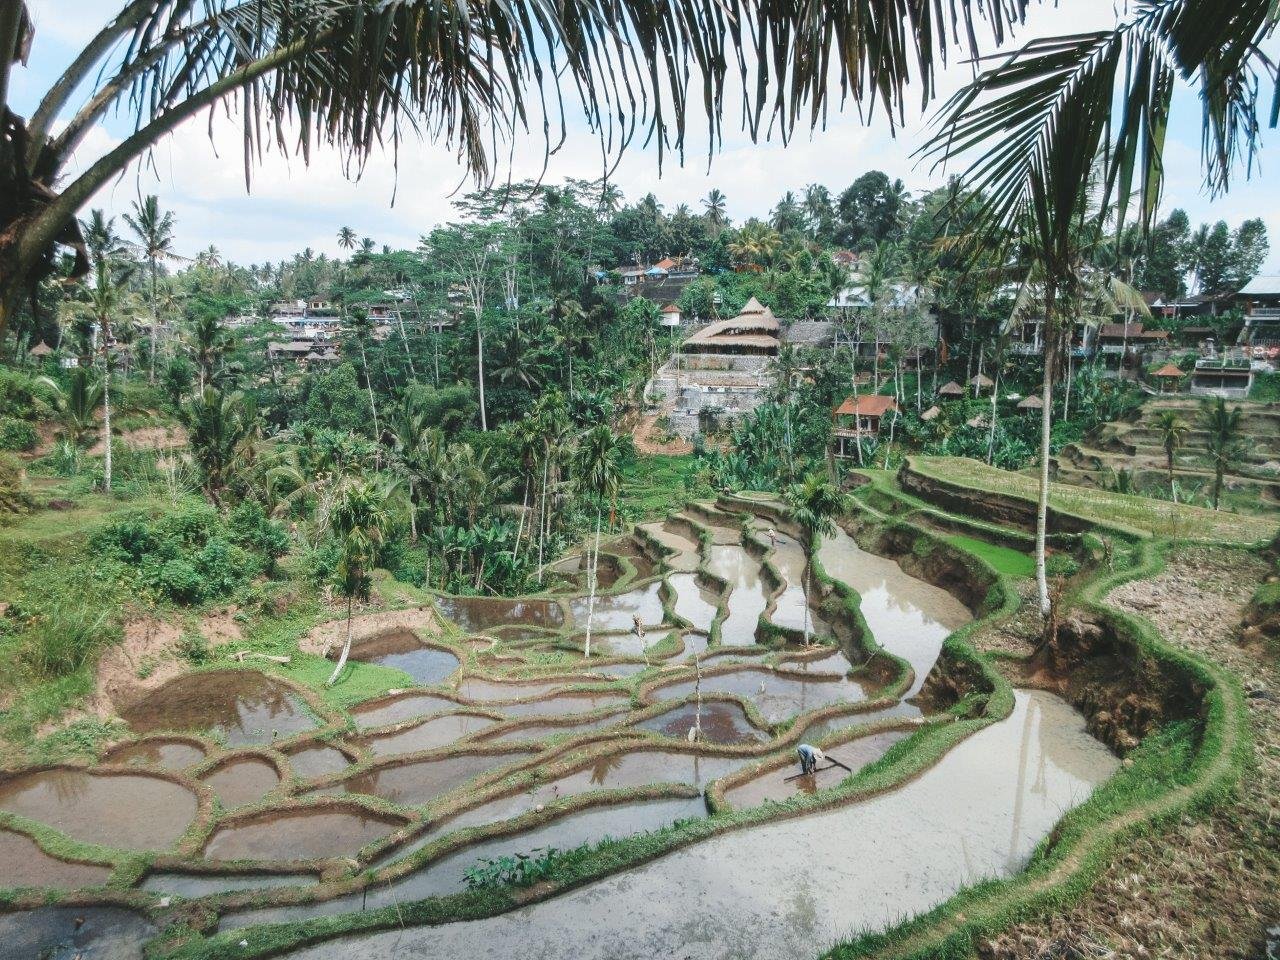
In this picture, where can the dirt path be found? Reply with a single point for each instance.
(1198, 888)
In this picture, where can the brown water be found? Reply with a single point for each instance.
(478, 688)
(243, 706)
(446, 875)
(631, 769)
(129, 811)
(166, 754)
(304, 834)
(68, 933)
(537, 731)
(242, 781)
(748, 596)
(425, 780)
(313, 762)
(408, 706)
(775, 784)
(427, 736)
(685, 555)
(402, 650)
(695, 645)
(777, 696)
(568, 703)
(694, 602)
(192, 885)
(833, 662)
(628, 548)
(24, 864)
(474, 614)
(773, 892)
(721, 722)
(617, 611)
(908, 617)
(609, 670)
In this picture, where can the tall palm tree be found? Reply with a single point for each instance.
(154, 229)
(208, 340)
(599, 476)
(1036, 124)
(714, 206)
(814, 503)
(360, 518)
(217, 422)
(107, 299)
(1224, 448)
(1172, 431)
(346, 238)
(361, 328)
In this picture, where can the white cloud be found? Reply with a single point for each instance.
(293, 206)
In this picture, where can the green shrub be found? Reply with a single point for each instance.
(252, 529)
(68, 616)
(1060, 565)
(17, 434)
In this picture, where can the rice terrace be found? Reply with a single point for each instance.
(602, 552)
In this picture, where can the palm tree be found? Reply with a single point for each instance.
(1172, 431)
(362, 328)
(1037, 123)
(610, 199)
(356, 74)
(1224, 448)
(814, 503)
(599, 476)
(107, 300)
(347, 238)
(208, 341)
(218, 423)
(360, 518)
(714, 205)
(154, 230)
(77, 406)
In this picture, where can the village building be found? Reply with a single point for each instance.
(719, 372)
(858, 420)
(1169, 377)
(1259, 299)
(670, 316)
(1027, 338)
(1229, 375)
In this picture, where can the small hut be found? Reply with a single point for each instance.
(40, 351)
(1170, 378)
(1031, 403)
(981, 382)
(951, 389)
(930, 414)
(856, 418)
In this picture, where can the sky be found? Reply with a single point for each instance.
(198, 171)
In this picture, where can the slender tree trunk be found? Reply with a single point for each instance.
(368, 382)
(484, 420)
(594, 557)
(1046, 422)
(1217, 484)
(804, 589)
(405, 340)
(106, 408)
(991, 438)
(155, 325)
(346, 648)
(542, 517)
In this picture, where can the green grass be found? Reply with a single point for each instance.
(1124, 512)
(655, 486)
(1266, 387)
(1005, 560)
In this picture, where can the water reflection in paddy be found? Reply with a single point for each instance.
(789, 610)
(617, 611)
(24, 864)
(721, 721)
(777, 696)
(684, 552)
(129, 811)
(431, 734)
(478, 688)
(748, 595)
(423, 781)
(694, 602)
(241, 706)
(67, 933)
(630, 644)
(908, 617)
(402, 650)
(537, 731)
(475, 614)
(242, 781)
(192, 885)
(166, 754)
(320, 761)
(631, 769)
(446, 875)
(775, 784)
(406, 707)
(303, 834)
(565, 704)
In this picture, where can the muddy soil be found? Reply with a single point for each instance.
(1198, 887)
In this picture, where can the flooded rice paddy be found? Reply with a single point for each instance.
(467, 744)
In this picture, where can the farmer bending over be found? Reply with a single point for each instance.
(810, 757)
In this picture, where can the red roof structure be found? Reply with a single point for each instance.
(866, 405)
(1169, 370)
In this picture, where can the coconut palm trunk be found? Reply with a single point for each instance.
(1046, 422)
(593, 557)
(106, 411)
(346, 647)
